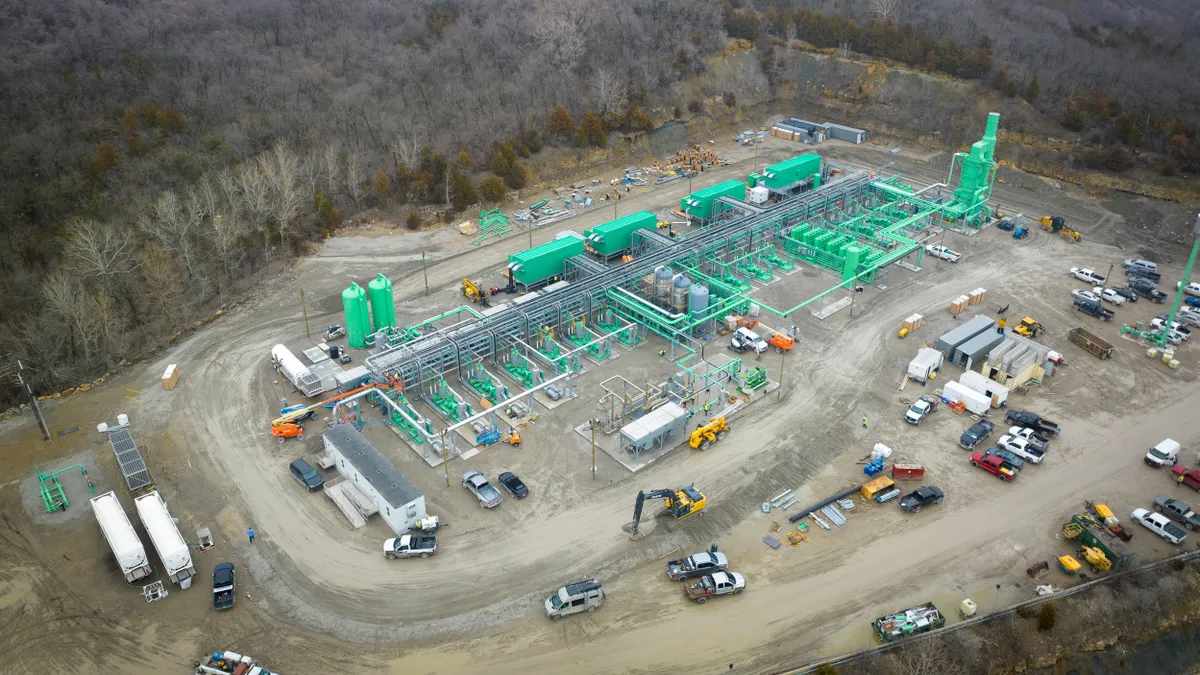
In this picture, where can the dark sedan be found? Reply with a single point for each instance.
(514, 485)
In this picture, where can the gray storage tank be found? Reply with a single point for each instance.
(698, 299)
(662, 284)
(679, 292)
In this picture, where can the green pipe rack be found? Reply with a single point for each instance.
(54, 497)
(493, 223)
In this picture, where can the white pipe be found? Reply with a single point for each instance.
(649, 304)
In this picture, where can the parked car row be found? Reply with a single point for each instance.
(711, 570)
(489, 497)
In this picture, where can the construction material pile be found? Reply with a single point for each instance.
(694, 159)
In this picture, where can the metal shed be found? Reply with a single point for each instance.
(800, 130)
(977, 348)
(948, 343)
(844, 133)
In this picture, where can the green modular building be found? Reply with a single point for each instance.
(547, 261)
(703, 204)
(616, 236)
(785, 175)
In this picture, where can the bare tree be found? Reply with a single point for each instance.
(924, 657)
(101, 250)
(281, 168)
(886, 9)
(405, 150)
(353, 172)
(67, 299)
(789, 34)
(225, 225)
(559, 30)
(175, 225)
(611, 94)
(255, 197)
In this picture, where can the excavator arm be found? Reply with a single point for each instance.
(642, 496)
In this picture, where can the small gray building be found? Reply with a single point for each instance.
(975, 350)
(400, 503)
(803, 130)
(844, 133)
(948, 344)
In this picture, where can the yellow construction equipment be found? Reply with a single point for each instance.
(1058, 225)
(1029, 327)
(1095, 558)
(707, 434)
(474, 292)
(681, 503)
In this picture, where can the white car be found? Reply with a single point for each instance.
(1160, 525)
(1090, 276)
(1192, 289)
(1021, 448)
(1112, 296)
(1086, 295)
(942, 252)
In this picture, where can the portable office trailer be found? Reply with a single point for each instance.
(121, 538)
(164, 535)
(948, 343)
(974, 381)
(977, 348)
(972, 400)
(927, 362)
(400, 503)
(844, 133)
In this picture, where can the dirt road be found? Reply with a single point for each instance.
(475, 605)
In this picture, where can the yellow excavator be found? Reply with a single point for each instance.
(1029, 327)
(1058, 225)
(474, 292)
(681, 503)
(707, 434)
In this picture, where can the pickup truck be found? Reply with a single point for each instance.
(1158, 321)
(1094, 308)
(1021, 448)
(1146, 288)
(976, 433)
(717, 583)
(224, 586)
(994, 465)
(920, 409)
(696, 565)
(939, 251)
(1177, 510)
(1090, 276)
(1185, 476)
(410, 546)
(923, 496)
(1035, 439)
(1040, 425)
(1160, 525)
(1135, 272)
(1014, 461)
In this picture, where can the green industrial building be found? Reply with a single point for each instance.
(542, 263)
(703, 204)
(616, 236)
(787, 176)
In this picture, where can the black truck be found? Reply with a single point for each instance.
(1040, 425)
(976, 433)
(224, 586)
(1146, 288)
(1094, 308)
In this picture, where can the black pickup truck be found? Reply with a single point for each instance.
(224, 586)
(1040, 425)
(976, 433)
(1094, 308)
(1146, 288)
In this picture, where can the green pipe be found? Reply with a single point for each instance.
(1187, 275)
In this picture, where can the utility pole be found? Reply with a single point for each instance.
(756, 155)
(1108, 277)
(531, 228)
(445, 459)
(593, 423)
(13, 370)
(782, 357)
(304, 308)
(425, 271)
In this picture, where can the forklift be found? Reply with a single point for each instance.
(474, 292)
(1029, 327)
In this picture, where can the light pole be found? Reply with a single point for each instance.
(1187, 275)
(593, 425)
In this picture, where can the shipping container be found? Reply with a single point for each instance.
(1091, 342)
(973, 401)
(787, 174)
(616, 236)
(703, 204)
(948, 342)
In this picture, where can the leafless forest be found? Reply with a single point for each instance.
(160, 155)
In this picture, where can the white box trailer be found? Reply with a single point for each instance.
(118, 532)
(978, 382)
(296, 372)
(164, 535)
(927, 362)
(972, 400)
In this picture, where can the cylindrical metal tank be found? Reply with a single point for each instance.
(679, 292)
(698, 299)
(662, 283)
(383, 308)
(358, 323)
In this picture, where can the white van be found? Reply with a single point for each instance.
(582, 596)
(1166, 453)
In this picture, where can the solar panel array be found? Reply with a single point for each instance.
(133, 467)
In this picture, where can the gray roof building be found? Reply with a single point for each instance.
(381, 474)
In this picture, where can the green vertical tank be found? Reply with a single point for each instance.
(358, 323)
(850, 266)
(383, 308)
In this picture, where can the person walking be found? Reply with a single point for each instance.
(864, 422)
(250, 530)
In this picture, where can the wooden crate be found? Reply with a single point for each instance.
(170, 376)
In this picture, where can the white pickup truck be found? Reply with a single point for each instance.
(1036, 440)
(410, 546)
(1021, 448)
(717, 583)
(939, 251)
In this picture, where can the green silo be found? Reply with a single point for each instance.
(850, 265)
(383, 308)
(358, 324)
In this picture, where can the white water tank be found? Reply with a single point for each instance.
(759, 195)
(102, 427)
(881, 451)
(123, 420)
(289, 365)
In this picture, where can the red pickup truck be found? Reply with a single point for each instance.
(994, 465)
(1186, 476)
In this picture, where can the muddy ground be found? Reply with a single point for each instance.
(317, 596)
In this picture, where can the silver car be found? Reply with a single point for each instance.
(489, 497)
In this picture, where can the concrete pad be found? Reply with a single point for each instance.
(831, 309)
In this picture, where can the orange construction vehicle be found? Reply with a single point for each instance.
(289, 424)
